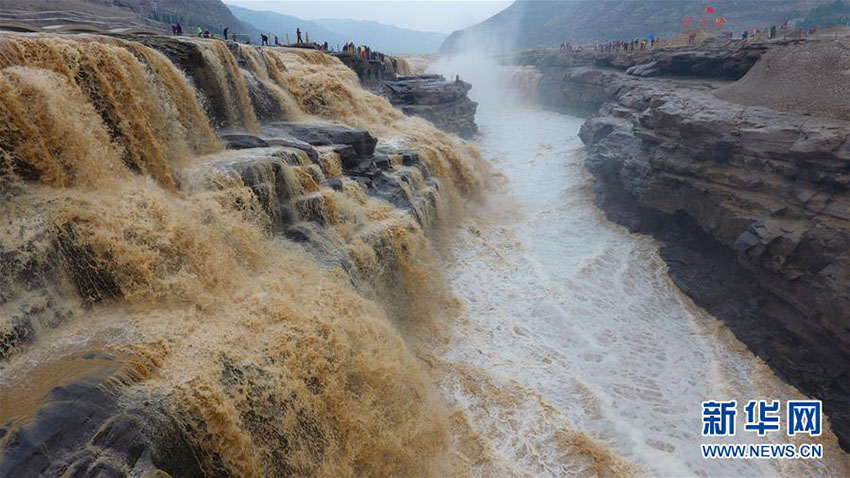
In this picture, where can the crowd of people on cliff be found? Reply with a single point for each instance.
(363, 51)
(631, 45)
(774, 31)
(652, 41)
(771, 32)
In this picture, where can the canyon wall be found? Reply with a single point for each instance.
(751, 204)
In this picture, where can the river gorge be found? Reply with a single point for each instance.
(228, 260)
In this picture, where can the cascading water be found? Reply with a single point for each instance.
(133, 251)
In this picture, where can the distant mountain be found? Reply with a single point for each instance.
(279, 24)
(380, 37)
(532, 23)
(385, 38)
(210, 15)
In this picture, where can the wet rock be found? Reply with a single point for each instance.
(325, 134)
(265, 101)
(371, 72)
(267, 178)
(92, 426)
(18, 331)
(443, 103)
(243, 141)
(349, 158)
(93, 281)
(295, 144)
(389, 188)
(312, 208)
(325, 247)
(333, 183)
(24, 316)
(410, 158)
(382, 162)
(189, 58)
(34, 272)
(645, 69)
(360, 167)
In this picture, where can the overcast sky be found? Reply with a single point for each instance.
(426, 15)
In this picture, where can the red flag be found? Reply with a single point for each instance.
(709, 9)
(720, 21)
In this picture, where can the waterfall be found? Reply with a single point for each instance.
(130, 236)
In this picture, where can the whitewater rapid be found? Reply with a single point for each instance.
(573, 322)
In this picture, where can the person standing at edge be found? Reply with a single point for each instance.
(225, 32)
(298, 34)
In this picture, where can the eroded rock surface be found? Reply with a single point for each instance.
(93, 423)
(444, 103)
(752, 204)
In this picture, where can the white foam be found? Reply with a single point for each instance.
(580, 311)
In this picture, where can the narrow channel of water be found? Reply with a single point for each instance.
(574, 322)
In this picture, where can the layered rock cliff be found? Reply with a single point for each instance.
(443, 103)
(751, 204)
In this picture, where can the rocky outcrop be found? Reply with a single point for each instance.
(444, 103)
(580, 82)
(371, 72)
(713, 59)
(396, 176)
(751, 204)
(360, 143)
(93, 423)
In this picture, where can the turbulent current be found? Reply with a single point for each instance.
(154, 316)
(171, 307)
(576, 354)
